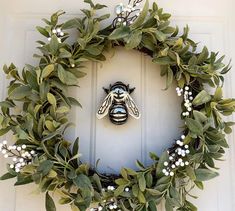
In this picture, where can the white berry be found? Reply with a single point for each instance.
(127, 189)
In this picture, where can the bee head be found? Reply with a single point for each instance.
(119, 86)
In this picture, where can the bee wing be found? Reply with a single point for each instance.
(104, 108)
(131, 106)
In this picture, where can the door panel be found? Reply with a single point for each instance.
(211, 23)
(118, 146)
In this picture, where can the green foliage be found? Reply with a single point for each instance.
(201, 98)
(205, 174)
(50, 205)
(44, 105)
(120, 33)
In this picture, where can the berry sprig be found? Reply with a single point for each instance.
(188, 98)
(127, 14)
(58, 33)
(109, 204)
(177, 157)
(19, 154)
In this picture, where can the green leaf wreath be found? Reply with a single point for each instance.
(37, 105)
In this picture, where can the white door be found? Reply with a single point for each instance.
(211, 24)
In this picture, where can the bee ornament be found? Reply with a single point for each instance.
(118, 104)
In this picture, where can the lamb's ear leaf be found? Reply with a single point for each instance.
(7, 176)
(43, 31)
(202, 98)
(194, 126)
(90, 2)
(76, 146)
(169, 78)
(50, 205)
(120, 33)
(205, 174)
(140, 20)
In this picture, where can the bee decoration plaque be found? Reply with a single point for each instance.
(118, 104)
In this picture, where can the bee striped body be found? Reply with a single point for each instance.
(118, 114)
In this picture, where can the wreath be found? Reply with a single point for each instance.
(36, 108)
